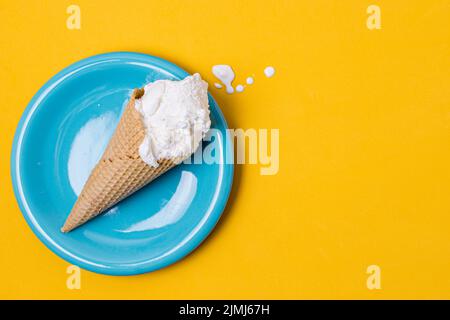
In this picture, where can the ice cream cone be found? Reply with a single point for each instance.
(120, 171)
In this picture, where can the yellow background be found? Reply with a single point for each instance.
(364, 119)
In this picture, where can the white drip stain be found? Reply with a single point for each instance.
(269, 71)
(225, 74)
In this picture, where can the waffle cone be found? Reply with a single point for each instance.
(120, 171)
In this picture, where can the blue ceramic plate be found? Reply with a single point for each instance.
(62, 135)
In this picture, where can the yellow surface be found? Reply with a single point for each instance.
(364, 119)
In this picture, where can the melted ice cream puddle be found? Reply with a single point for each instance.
(87, 148)
(174, 210)
(225, 74)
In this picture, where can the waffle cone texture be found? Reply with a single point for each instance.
(120, 172)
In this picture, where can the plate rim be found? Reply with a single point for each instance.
(149, 265)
